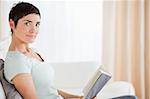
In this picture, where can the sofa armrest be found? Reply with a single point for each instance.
(117, 89)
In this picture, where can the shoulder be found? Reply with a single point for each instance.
(16, 59)
(15, 63)
(15, 56)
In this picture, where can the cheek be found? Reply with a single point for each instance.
(23, 30)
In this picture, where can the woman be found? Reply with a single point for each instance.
(25, 68)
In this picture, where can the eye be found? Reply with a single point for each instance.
(38, 24)
(27, 23)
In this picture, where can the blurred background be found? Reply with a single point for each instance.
(115, 33)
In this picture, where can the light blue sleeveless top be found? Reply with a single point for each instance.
(42, 73)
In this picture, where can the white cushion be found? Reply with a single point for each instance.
(73, 74)
(4, 45)
(2, 94)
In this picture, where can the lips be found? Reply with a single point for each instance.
(31, 36)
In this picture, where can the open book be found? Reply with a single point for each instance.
(96, 83)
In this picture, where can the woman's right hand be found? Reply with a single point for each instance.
(81, 97)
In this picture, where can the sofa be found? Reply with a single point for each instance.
(73, 76)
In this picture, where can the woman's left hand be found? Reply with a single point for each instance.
(76, 97)
(67, 95)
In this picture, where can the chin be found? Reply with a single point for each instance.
(30, 41)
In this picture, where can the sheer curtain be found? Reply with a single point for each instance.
(126, 43)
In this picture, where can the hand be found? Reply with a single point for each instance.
(76, 97)
(80, 97)
(67, 95)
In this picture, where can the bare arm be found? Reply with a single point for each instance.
(24, 84)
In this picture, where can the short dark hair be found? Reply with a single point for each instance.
(22, 9)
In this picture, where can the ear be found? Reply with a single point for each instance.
(11, 24)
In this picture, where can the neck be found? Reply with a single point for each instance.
(17, 45)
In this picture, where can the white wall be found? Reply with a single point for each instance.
(70, 30)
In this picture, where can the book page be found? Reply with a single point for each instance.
(96, 83)
(91, 82)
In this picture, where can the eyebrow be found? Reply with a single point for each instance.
(38, 22)
(27, 20)
(31, 21)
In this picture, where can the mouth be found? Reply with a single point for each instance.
(31, 36)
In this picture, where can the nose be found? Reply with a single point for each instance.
(33, 29)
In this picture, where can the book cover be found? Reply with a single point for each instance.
(96, 83)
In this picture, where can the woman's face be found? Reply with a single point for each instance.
(27, 28)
